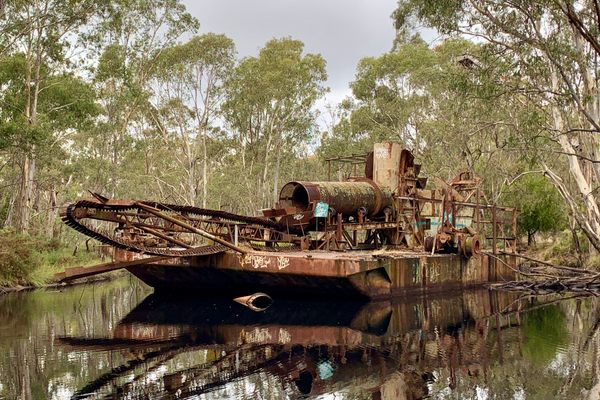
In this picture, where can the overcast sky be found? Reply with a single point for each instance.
(342, 31)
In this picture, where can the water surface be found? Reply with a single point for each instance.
(117, 340)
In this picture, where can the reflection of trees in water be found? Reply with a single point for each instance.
(547, 352)
(545, 331)
(450, 346)
(439, 335)
(32, 364)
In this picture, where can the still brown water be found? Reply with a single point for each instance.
(117, 340)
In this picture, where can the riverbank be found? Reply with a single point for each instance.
(109, 276)
(562, 248)
(30, 261)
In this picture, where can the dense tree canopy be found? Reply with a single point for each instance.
(124, 98)
(552, 48)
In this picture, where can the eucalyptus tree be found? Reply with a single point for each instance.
(37, 57)
(187, 97)
(553, 47)
(447, 108)
(270, 108)
(129, 39)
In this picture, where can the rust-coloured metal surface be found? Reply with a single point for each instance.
(344, 197)
(322, 274)
(359, 245)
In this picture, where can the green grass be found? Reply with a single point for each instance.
(32, 261)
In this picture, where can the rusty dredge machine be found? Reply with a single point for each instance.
(376, 235)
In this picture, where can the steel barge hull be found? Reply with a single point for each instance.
(367, 274)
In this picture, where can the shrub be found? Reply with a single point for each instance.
(17, 257)
(541, 209)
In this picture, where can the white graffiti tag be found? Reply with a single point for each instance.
(382, 153)
(255, 262)
(283, 262)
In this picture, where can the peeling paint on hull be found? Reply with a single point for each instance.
(324, 274)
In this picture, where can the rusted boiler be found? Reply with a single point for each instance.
(350, 197)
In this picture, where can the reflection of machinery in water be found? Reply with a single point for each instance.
(186, 348)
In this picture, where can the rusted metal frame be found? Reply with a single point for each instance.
(324, 240)
(458, 203)
(353, 160)
(144, 227)
(246, 232)
(338, 227)
(514, 230)
(478, 211)
(454, 210)
(129, 223)
(369, 237)
(164, 237)
(399, 235)
(350, 158)
(351, 242)
(494, 236)
(80, 272)
(108, 216)
(191, 228)
(416, 233)
(366, 226)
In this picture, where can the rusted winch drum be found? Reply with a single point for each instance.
(465, 244)
(344, 197)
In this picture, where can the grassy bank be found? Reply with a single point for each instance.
(32, 261)
(562, 248)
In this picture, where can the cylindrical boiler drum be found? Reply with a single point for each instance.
(345, 197)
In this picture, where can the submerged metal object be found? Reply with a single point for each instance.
(256, 302)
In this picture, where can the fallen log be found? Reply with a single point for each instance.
(549, 278)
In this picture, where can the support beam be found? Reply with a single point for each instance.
(71, 274)
(189, 227)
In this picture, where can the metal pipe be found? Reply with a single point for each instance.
(256, 302)
(345, 197)
(189, 227)
(162, 236)
(458, 203)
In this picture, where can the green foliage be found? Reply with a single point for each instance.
(453, 116)
(30, 260)
(17, 258)
(541, 209)
(272, 95)
(543, 69)
(269, 107)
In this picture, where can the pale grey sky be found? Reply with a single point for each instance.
(342, 31)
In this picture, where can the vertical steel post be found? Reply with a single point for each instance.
(338, 231)
(514, 229)
(478, 212)
(494, 236)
